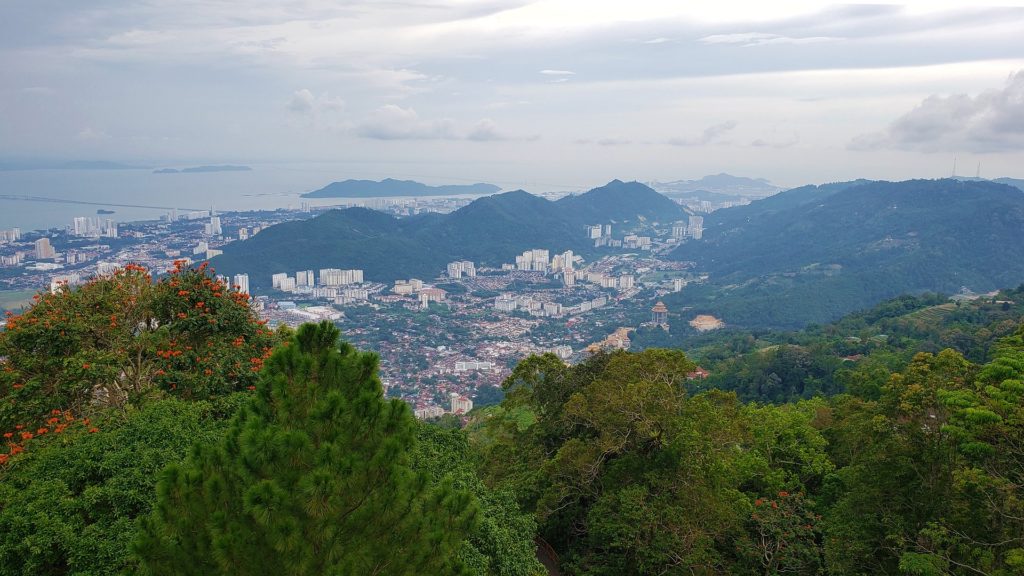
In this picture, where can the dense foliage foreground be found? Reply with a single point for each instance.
(159, 428)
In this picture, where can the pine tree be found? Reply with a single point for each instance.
(313, 477)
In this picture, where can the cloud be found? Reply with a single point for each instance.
(710, 135)
(391, 122)
(992, 121)
(302, 101)
(558, 72)
(305, 102)
(614, 141)
(748, 39)
(486, 131)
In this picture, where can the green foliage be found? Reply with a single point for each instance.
(313, 476)
(120, 340)
(811, 255)
(502, 543)
(69, 505)
(628, 474)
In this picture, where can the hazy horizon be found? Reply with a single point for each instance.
(517, 92)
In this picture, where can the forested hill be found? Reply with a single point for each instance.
(390, 187)
(813, 254)
(620, 201)
(489, 231)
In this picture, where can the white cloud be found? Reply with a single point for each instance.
(748, 39)
(392, 122)
(486, 130)
(710, 135)
(302, 101)
(992, 121)
(558, 72)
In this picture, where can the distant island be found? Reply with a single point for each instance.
(391, 187)
(199, 169)
(104, 211)
(718, 186)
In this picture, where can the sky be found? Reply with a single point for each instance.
(543, 94)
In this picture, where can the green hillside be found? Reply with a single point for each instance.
(813, 254)
(489, 231)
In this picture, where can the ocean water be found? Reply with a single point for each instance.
(265, 187)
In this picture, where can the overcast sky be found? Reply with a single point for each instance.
(552, 92)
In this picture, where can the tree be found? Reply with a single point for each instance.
(120, 340)
(69, 505)
(312, 477)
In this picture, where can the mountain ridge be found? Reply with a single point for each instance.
(391, 187)
(490, 231)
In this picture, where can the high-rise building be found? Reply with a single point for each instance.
(214, 227)
(626, 281)
(305, 278)
(460, 404)
(200, 248)
(594, 232)
(696, 228)
(338, 277)
(277, 279)
(12, 235)
(243, 233)
(241, 283)
(81, 226)
(460, 268)
(43, 249)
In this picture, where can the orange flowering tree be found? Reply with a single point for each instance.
(119, 340)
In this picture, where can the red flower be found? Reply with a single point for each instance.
(783, 494)
(8, 434)
(758, 502)
(93, 430)
(85, 366)
(251, 387)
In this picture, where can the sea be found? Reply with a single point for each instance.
(58, 196)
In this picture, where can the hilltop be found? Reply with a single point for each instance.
(390, 187)
(620, 201)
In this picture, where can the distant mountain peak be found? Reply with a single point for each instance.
(721, 183)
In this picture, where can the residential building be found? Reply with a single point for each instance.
(43, 249)
(338, 277)
(241, 283)
(460, 404)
